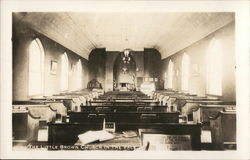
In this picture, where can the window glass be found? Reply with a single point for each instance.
(170, 74)
(64, 72)
(36, 68)
(79, 75)
(214, 68)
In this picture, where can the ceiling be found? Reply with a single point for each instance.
(168, 32)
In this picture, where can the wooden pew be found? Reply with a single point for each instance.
(193, 104)
(67, 102)
(127, 108)
(124, 103)
(171, 99)
(181, 101)
(201, 114)
(67, 133)
(223, 130)
(124, 117)
(44, 111)
(24, 126)
(77, 101)
(61, 110)
(124, 95)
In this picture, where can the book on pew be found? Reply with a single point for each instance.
(93, 136)
(129, 134)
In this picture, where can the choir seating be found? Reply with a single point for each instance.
(223, 129)
(24, 126)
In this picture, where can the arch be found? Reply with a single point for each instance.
(214, 65)
(185, 72)
(124, 73)
(64, 72)
(36, 68)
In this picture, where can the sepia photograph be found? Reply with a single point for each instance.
(126, 81)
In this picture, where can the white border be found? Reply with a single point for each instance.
(242, 80)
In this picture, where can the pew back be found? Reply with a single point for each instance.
(223, 129)
(39, 110)
(24, 126)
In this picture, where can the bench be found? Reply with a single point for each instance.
(202, 113)
(124, 117)
(124, 103)
(125, 108)
(223, 130)
(67, 133)
(24, 126)
(67, 102)
(194, 104)
(44, 111)
(61, 110)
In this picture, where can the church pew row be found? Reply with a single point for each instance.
(44, 111)
(156, 94)
(77, 100)
(67, 133)
(179, 102)
(223, 129)
(127, 108)
(124, 95)
(124, 117)
(141, 108)
(124, 103)
(83, 96)
(24, 126)
(202, 113)
(69, 103)
(193, 104)
(61, 110)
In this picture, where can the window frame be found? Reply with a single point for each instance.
(209, 58)
(64, 55)
(38, 42)
(170, 64)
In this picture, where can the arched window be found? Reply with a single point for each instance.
(36, 68)
(64, 72)
(79, 75)
(170, 74)
(185, 72)
(214, 68)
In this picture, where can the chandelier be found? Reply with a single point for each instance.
(126, 55)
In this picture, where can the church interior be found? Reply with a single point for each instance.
(124, 81)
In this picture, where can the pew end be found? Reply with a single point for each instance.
(223, 127)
